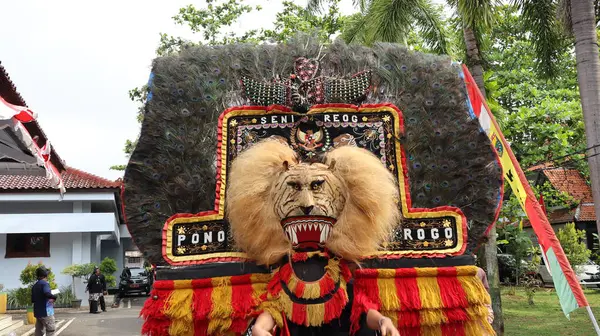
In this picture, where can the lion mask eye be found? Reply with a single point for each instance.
(316, 185)
(295, 185)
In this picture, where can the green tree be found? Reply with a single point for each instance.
(82, 271)
(108, 267)
(212, 22)
(517, 243)
(541, 119)
(576, 20)
(574, 244)
(28, 278)
(393, 21)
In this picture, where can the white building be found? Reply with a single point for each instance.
(35, 225)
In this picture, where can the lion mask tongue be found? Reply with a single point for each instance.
(308, 232)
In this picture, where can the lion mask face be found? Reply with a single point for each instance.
(348, 203)
(308, 190)
(308, 198)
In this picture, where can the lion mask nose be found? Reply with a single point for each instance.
(307, 210)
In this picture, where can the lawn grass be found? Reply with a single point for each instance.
(546, 316)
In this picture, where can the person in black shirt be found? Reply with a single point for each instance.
(96, 286)
(43, 304)
(125, 276)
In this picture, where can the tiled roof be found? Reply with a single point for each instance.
(73, 179)
(586, 212)
(541, 166)
(8, 90)
(571, 182)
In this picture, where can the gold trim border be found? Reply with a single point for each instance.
(244, 111)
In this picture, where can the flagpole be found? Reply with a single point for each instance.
(593, 318)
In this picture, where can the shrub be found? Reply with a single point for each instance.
(573, 243)
(82, 271)
(516, 242)
(65, 297)
(11, 300)
(28, 279)
(108, 267)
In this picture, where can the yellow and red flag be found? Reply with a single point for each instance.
(565, 281)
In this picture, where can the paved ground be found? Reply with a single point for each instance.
(118, 321)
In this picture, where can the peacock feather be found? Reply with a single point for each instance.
(172, 170)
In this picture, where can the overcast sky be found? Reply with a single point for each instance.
(74, 61)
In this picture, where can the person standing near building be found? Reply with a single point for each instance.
(43, 304)
(96, 286)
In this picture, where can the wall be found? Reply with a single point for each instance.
(61, 248)
(35, 207)
(66, 247)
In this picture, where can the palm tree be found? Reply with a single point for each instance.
(578, 20)
(393, 21)
(475, 17)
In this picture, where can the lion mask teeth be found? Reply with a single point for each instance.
(308, 231)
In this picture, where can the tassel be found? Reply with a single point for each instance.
(178, 309)
(456, 315)
(274, 286)
(408, 289)
(312, 291)
(429, 291)
(299, 256)
(432, 317)
(315, 314)
(201, 328)
(451, 291)
(345, 271)
(327, 286)
(334, 267)
(299, 314)
(414, 331)
(156, 323)
(335, 306)
(299, 292)
(285, 272)
(479, 328)
(293, 283)
(202, 305)
(434, 330)
(366, 296)
(392, 315)
(238, 326)
(387, 290)
(241, 302)
(221, 298)
(259, 287)
(409, 319)
(453, 329)
(476, 294)
(477, 312)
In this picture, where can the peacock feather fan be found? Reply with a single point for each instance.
(172, 169)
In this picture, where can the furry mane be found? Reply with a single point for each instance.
(366, 221)
(249, 206)
(371, 211)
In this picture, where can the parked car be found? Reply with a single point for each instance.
(588, 274)
(140, 282)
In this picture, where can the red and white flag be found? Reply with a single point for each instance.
(16, 116)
